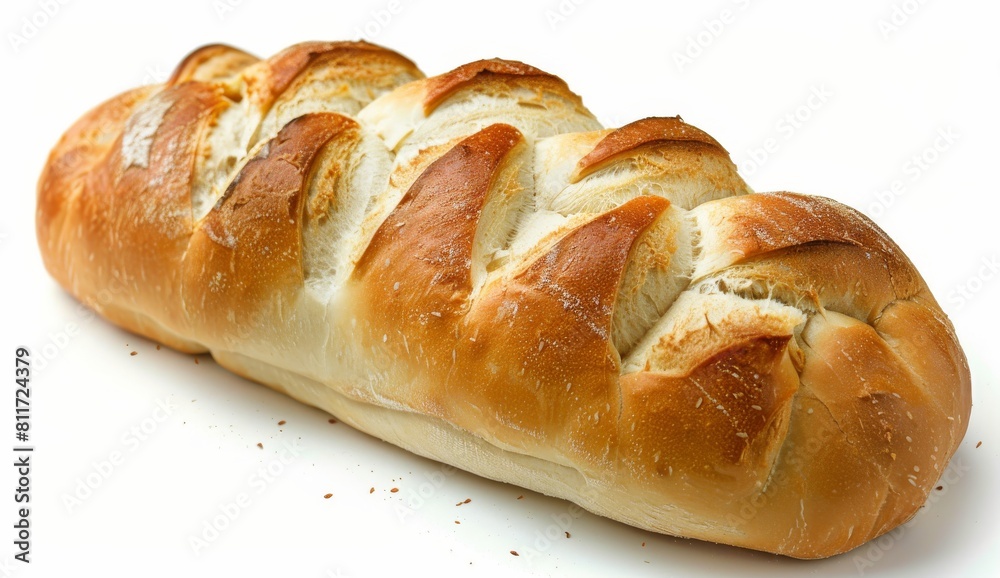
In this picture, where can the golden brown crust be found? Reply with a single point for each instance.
(718, 427)
(863, 392)
(80, 149)
(427, 243)
(489, 71)
(566, 399)
(601, 316)
(248, 250)
(647, 132)
(212, 62)
(755, 225)
(347, 58)
(432, 227)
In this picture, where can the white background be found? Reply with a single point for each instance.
(889, 89)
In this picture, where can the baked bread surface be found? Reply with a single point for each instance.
(471, 267)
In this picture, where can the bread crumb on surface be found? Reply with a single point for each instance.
(260, 445)
(331, 420)
(977, 445)
(282, 422)
(372, 491)
(327, 496)
(567, 534)
(514, 553)
(137, 353)
(394, 490)
(521, 497)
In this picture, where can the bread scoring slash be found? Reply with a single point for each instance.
(471, 267)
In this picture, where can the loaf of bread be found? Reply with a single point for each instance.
(470, 267)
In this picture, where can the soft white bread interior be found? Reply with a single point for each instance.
(469, 266)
